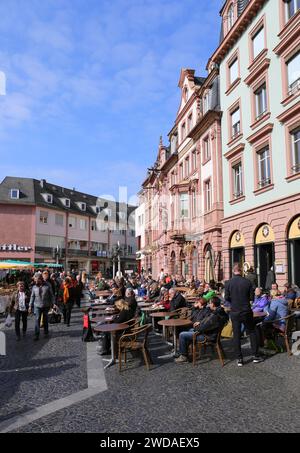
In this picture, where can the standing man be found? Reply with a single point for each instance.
(239, 292)
(42, 299)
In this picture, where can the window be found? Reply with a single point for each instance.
(234, 71)
(184, 205)
(183, 132)
(206, 102)
(293, 67)
(49, 198)
(187, 167)
(237, 180)
(97, 209)
(296, 150)
(194, 160)
(82, 224)
(59, 219)
(72, 222)
(93, 225)
(173, 179)
(235, 123)
(258, 42)
(230, 16)
(264, 170)
(190, 122)
(14, 194)
(292, 7)
(67, 202)
(261, 100)
(83, 206)
(185, 94)
(194, 203)
(44, 217)
(207, 194)
(206, 149)
(181, 171)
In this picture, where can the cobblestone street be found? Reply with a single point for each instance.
(169, 398)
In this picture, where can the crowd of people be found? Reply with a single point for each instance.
(214, 304)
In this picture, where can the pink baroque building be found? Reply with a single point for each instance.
(259, 66)
(182, 196)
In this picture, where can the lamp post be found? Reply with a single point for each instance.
(119, 259)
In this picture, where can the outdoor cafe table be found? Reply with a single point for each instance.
(174, 323)
(145, 304)
(112, 329)
(102, 319)
(161, 314)
(104, 293)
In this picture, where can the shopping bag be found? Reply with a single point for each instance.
(8, 321)
(42, 320)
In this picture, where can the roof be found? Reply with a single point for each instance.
(31, 190)
(241, 5)
(199, 80)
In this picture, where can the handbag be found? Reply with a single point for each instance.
(8, 321)
(227, 331)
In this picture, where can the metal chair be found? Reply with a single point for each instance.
(286, 333)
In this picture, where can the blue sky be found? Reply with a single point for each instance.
(92, 84)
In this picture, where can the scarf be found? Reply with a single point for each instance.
(66, 294)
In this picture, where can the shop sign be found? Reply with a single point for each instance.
(279, 267)
(14, 248)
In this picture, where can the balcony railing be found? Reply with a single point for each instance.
(296, 168)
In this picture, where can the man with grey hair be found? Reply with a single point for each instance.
(176, 299)
(41, 300)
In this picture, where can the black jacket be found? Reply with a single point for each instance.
(132, 305)
(177, 302)
(253, 278)
(212, 323)
(198, 314)
(239, 291)
(123, 316)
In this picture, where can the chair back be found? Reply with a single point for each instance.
(288, 324)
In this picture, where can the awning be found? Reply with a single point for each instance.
(15, 265)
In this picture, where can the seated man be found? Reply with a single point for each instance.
(116, 295)
(214, 319)
(261, 301)
(176, 299)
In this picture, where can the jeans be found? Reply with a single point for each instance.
(246, 318)
(20, 314)
(185, 339)
(38, 312)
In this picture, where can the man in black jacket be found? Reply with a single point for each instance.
(239, 292)
(176, 300)
(208, 326)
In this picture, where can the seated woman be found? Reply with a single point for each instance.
(154, 292)
(124, 315)
(277, 309)
(192, 291)
(261, 301)
(164, 299)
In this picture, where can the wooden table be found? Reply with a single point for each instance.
(112, 329)
(145, 304)
(174, 323)
(103, 318)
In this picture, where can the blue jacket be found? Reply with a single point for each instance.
(278, 308)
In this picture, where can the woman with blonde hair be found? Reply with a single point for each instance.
(123, 316)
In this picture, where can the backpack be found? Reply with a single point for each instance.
(87, 332)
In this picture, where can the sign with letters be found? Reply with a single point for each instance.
(15, 248)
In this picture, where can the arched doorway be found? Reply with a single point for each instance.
(264, 252)
(237, 249)
(294, 251)
(183, 267)
(195, 262)
(172, 263)
(209, 272)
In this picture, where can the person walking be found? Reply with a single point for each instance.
(69, 297)
(19, 305)
(41, 300)
(78, 290)
(239, 292)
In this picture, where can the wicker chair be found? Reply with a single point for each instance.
(135, 340)
(286, 333)
(198, 345)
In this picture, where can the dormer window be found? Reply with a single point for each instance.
(83, 206)
(185, 94)
(230, 17)
(67, 202)
(48, 197)
(97, 209)
(14, 194)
